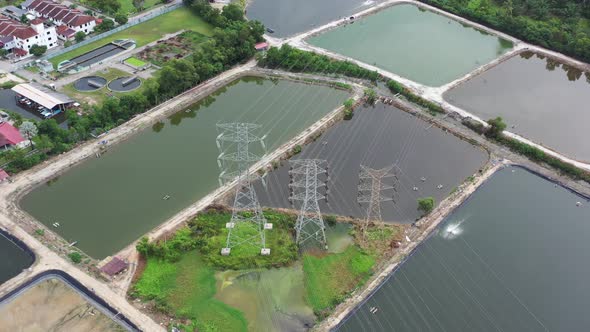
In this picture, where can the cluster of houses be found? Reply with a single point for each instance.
(49, 21)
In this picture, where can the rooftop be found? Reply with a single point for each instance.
(9, 135)
(41, 95)
(114, 266)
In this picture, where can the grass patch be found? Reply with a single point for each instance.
(135, 62)
(329, 279)
(211, 225)
(185, 289)
(98, 97)
(147, 32)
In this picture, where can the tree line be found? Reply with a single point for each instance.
(232, 42)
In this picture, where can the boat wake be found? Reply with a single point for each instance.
(453, 229)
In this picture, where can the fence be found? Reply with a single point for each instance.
(132, 22)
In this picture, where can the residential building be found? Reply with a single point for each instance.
(9, 135)
(61, 15)
(18, 38)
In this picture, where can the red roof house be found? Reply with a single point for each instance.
(261, 46)
(114, 266)
(9, 135)
(3, 175)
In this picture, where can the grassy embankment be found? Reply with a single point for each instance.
(147, 32)
(179, 275)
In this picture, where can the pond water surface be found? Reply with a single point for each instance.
(538, 97)
(509, 259)
(378, 137)
(108, 202)
(288, 17)
(13, 258)
(417, 44)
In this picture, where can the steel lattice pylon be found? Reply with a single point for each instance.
(247, 224)
(371, 186)
(305, 185)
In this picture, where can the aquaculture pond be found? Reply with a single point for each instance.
(426, 157)
(13, 258)
(407, 40)
(51, 303)
(509, 259)
(287, 18)
(108, 202)
(539, 97)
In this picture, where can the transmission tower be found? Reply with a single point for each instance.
(247, 224)
(305, 186)
(371, 186)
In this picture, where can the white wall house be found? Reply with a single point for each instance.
(61, 15)
(18, 38)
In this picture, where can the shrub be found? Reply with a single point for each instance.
(75, 257)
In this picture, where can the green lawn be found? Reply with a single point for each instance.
(328, 279)
(128, 8)
(186, 289)
(147, 32)
(135, 62)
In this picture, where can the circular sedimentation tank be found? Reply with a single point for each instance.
(90, 83)
(124, 84)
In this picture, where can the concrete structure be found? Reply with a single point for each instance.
(61, 15)
(9, 135)
(18, 38)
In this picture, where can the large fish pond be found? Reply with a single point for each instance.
(414, 43)
(512, 258)
(108, 202)
(538, 97)
(288, 17)
(425, 156)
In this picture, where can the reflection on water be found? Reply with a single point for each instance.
(539, 97)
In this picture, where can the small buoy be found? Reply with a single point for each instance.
(439, 186)
(415, 188)
(578, 203)
(423, 179)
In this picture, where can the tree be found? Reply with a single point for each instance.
(496, 128)
(79, 36)
(121, 18)
(3, 52)
(24, 19)
(37, 50)
(233, 12)
(426, 204)
(370, 96)
(29, 130)
(106, 25)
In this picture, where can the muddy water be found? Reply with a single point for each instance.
(377, 137)
(107, 202)
(509, 259)
(538, 97)
(273, 300)
(287, 17)
(13, 258)
(51, 305)
(414, 43)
